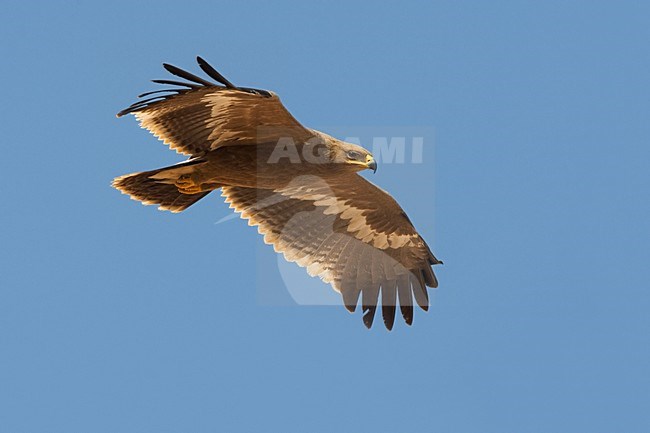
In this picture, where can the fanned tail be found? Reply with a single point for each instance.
(156, 187)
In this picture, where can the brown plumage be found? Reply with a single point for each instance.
(299, 186)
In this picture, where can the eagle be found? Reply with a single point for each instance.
(299, 186)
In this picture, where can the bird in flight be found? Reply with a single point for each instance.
(299, 186)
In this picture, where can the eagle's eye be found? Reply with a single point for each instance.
(353, 154)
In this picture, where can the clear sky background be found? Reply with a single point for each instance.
(115, 317)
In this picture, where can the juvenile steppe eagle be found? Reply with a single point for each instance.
(299, 186)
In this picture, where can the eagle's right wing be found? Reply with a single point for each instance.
(351, 234)
(199, 116)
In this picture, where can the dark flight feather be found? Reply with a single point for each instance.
(187, 75)
(388, 303)
(176, 83)
(405, 302)
(213, 73)
(142, 95)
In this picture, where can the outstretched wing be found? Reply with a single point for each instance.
(351, 234)
(197, 115)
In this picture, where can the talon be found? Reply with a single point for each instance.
(188, 185)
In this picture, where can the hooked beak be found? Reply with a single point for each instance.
(371, 163)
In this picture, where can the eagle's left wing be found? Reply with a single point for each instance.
(348, 232)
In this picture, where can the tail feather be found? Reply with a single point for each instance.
(154, 188)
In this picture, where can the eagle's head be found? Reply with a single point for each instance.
(348, 155)
(354, 156)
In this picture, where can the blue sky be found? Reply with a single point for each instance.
(115, 317)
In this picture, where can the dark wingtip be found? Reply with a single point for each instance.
(388, 313)
(407, 314)
(176, 83)
(186, 75)
(369, 316)
(213, 73)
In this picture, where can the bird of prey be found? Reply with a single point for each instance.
(299, 186)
